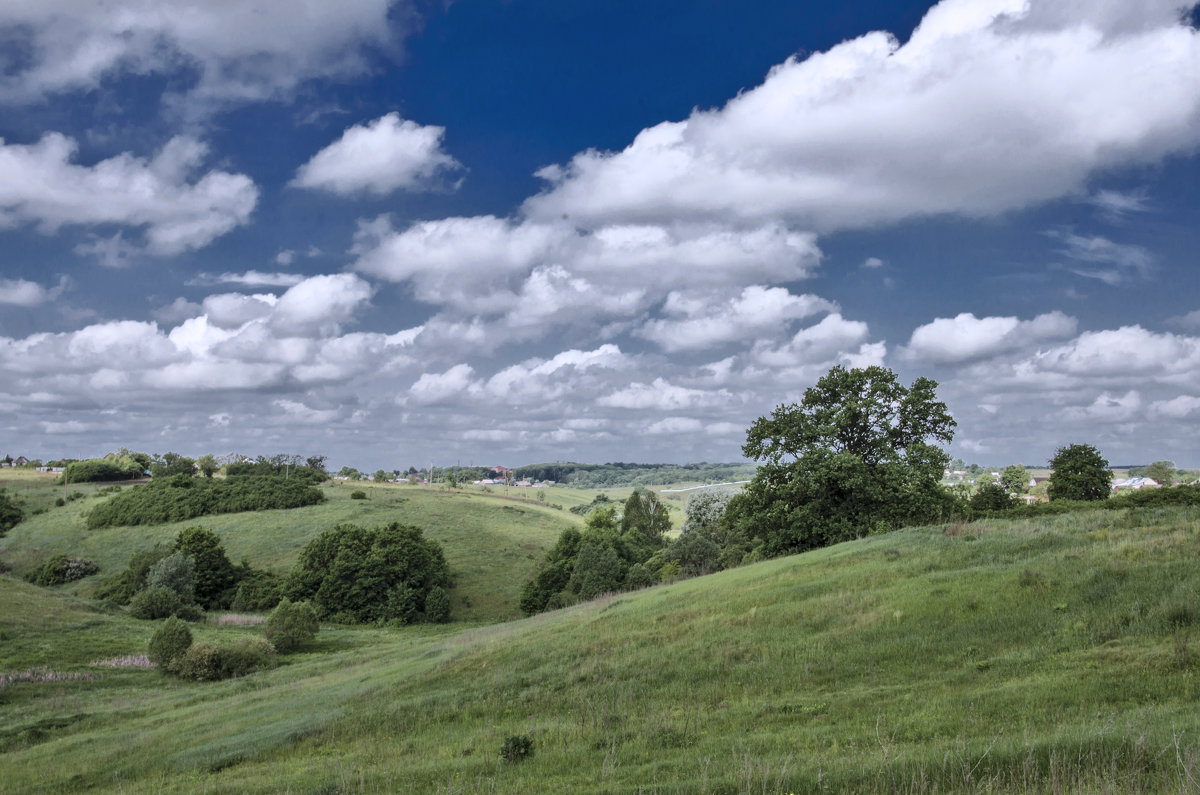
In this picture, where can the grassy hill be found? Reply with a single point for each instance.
(1050, 655)
(492, 543)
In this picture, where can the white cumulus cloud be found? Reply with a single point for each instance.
(379, 157)
(39, 184)
(991, 105)
(965, 337)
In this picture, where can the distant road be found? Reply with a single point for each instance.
(705, 486)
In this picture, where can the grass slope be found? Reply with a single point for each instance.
(1055, 655)
(492, 544)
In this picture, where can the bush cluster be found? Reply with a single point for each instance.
(182, 497)
(610, 555)
(382, 574)
(61, 569)
(209, 662)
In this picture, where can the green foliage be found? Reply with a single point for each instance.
(112, 467)
(601, 500)
(437, 605)
(168, 643)
(256, 590)
(355, 574)
(613, 475)
(598, 570)
(990, 497)
(209, 662)
(176, 573)
(311, 470)
(10, 513)
(207, 465)
(151, 604)
(349, 473)
(358, 495)
(516, 748)
(583, 566)
(61, 569)
(171, 464)
(215, 578)
(1162, 472)
(850, 458)
(180, 498)
(291, 625)
(122, 587)
(1015, 478)
(1079, 473)
(554, 574)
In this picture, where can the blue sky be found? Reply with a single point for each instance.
(507, 232)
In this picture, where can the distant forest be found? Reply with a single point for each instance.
(623, 474)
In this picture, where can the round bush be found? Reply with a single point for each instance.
(154, 603)
(208, 662)
(170, 641)
(291, 625)
(358, 495)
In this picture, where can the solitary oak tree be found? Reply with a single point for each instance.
(856, 455)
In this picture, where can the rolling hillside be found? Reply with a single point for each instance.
(1057, 655)
(492, 543)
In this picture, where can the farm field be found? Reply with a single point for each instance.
(1052, 655)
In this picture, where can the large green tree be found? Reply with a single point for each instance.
(1162, 472)
(857, 455)
(1015, 478)
(1079, 472)
(215, 577)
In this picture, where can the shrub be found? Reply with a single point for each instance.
(176, 573)
(61, 569)
(10, 513)
(291, 625)
(169, 642)
(358, 495)
(990, 497)
(516, 748)
(437, 605)
(122, 587)
(154, 603)
(209, 662)
(381, 574)
(256, 590)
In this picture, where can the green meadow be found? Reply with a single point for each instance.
(1056, 655)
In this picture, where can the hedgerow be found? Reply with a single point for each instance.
(95, 470)
(181, 497)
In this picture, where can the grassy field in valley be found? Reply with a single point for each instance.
(492, 543)
(1047, 656)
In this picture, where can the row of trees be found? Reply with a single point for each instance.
(131, 465)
